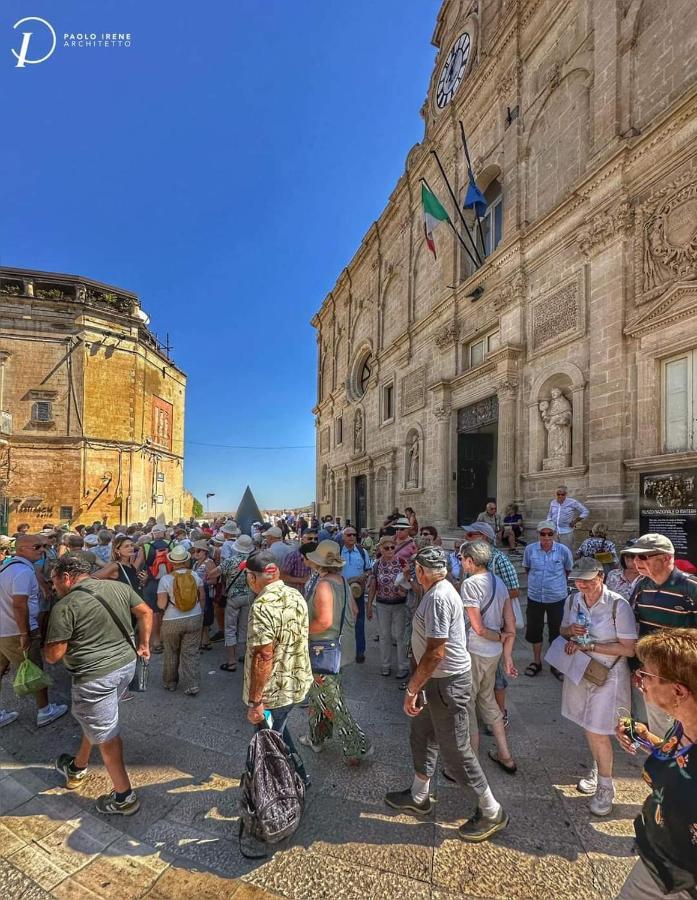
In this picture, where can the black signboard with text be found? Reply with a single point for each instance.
(668, 506)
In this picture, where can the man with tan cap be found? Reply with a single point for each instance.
(664, 597)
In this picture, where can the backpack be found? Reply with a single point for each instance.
(272, 792)
(185, 591)
(159, 559)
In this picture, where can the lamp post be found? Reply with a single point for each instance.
(208, 501)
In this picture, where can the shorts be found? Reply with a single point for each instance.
(96, 703)
(536, 612)
(11, 654)
(482, 706)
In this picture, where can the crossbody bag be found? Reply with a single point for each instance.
(325, 653)
(596, 673)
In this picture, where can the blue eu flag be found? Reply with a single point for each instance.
(474, 198)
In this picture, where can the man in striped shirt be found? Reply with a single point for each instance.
(664, 597)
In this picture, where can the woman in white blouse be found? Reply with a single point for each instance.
(608, 637)
(180, 595)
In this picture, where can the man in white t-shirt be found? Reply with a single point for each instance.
(491, 633)
(19, 626)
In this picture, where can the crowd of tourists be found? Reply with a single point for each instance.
(290, 600)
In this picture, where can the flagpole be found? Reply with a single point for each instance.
(456, 232)
(457, 206)
(470, 174)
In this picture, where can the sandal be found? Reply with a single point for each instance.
(533, 669)
(509, 769)
(229, 667)
(205, 647)
(557, 674)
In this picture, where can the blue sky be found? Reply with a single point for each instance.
(225, 167)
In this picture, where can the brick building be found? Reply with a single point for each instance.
(92, 407)
(433, 376)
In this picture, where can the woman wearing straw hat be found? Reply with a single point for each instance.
(180, 595)
(330, 605)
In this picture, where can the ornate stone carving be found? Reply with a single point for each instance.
(606, 226)
(559, 313)
(413, 391)
(442, 411)
(670, 236)
(446, 336)
(358, 431)
(557, 417)
(507, 388)
(80, 292)
(485, 412)
(519, 286)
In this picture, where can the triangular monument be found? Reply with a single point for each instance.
(247, 512)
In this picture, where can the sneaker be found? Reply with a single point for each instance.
(376, 638)
(307, 742)
(50, 713)
(481, 828)
(110, 806)
(402, 675)
(601, 804)
(191, 692)
(385, 672)
(589, 784)
(505, 718)
(6, 717)
(73, 777)
(404, 800)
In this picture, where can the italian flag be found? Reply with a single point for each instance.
(433, 214)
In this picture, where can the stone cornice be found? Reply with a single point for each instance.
(677, 303)
(663, 461)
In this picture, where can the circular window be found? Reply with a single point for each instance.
(361, 373)
(364, 375)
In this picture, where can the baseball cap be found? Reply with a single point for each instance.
(431, 558)
(158, 529)
(481, 528)
(274, 531)
(260, 561)
(584, 569)
(650, 544)
(547, 525)
(91, 540)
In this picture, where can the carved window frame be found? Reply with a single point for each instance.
(690, 357)
(491, 341)
(389, 384)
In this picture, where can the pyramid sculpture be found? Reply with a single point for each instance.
(247, 512)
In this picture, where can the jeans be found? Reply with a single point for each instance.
(444, 724)
(392, 619)
(360, 626)
(280, 719)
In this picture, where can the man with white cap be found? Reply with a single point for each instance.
(548, 564)
(275, 544)
(664, 597)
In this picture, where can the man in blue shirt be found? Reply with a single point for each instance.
(548, 564)
(356, 572)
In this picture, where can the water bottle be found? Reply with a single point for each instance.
(584, 620)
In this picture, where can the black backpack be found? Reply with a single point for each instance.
(273, 794)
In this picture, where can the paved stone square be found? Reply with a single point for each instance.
(185, 755)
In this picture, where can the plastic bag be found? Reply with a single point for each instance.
(30, 678)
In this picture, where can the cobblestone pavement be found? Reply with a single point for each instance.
(185, 755)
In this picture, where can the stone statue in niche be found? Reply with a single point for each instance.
(413, 463)
(557, 417)
(358, 432)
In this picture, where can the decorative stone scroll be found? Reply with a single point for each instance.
(485, 412)
(413, 391)
(606, 226)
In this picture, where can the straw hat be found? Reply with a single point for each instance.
(200, 545)
(327, 555)
(178, 554)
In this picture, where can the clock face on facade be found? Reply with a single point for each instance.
(453, 70)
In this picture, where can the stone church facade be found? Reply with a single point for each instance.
(91, 406)
(570, 355)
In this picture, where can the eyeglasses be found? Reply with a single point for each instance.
(546, 534)
(641, 675)
(349, 534)
(39, 546)
(644, 556)
(561, 493)
(388, 546)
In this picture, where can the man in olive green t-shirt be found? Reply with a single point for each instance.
(90, 630)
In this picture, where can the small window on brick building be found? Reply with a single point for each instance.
(42, 411)
(66, 513)
(388, 402)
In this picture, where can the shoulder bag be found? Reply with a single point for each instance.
(603, 556)
(325, 653)
(140, 679)
(596, 673)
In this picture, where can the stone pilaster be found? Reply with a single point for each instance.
(507, 392)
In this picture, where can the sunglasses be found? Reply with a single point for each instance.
(388, 546)
(39, 546)
(349, 534)
(644, 556)
(546, 534)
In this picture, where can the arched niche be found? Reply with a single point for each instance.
(413, 459)
(569, 379)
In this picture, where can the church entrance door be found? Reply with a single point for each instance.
(476, 458)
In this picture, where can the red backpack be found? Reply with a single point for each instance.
(159, 559)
